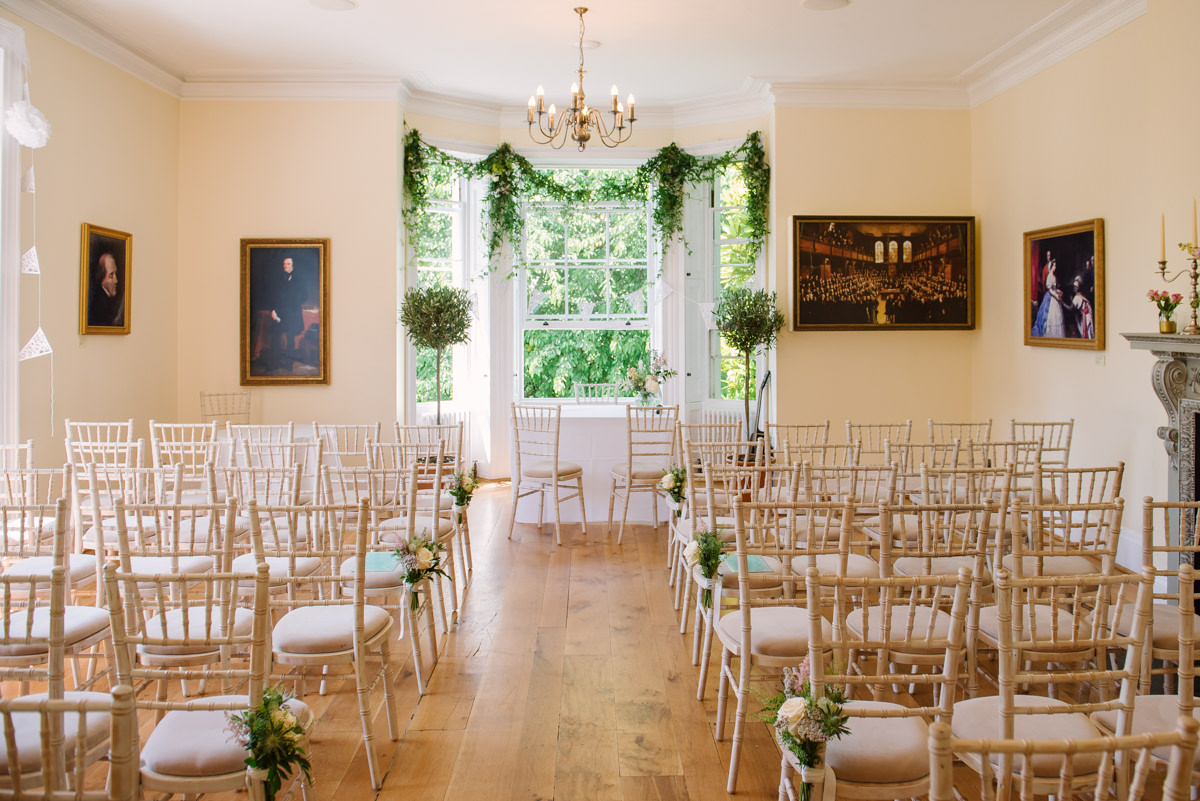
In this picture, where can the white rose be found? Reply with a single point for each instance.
(691, 553)
(424, 558)
(652, 384)
(790, 714)
(668, 482)
(468, 484)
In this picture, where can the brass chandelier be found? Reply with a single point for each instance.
(579, 122)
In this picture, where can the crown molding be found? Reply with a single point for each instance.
(293, 87)
(800, 94)
(1060, 35)
(94, 41)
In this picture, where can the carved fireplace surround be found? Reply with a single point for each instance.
(1176, 379)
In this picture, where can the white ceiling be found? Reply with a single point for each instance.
(668, 52)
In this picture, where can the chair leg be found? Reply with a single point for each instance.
(374, 769)
(512, 518)
(582, 507)
(709, 622)
(612, 497)
(414, 641)
(624, 510)
(557, 515)
(466, 546)
(735, 752)
(389, 696)
(723, 692)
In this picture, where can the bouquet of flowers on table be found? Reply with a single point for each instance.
(705, 551)
(1167, 303)
(674, 483)
(804, 723)
(275, 737)
(646, 383)
(420, 558)
(462, 487)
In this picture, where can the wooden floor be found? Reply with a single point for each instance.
(565, 678)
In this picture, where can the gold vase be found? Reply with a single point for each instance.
(1166, 326)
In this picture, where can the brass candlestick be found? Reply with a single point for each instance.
(1194, 301)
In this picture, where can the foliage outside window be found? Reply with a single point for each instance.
(734, 262)
(584, 299)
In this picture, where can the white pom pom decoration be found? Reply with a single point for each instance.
(27, 125)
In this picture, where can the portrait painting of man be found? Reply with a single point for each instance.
(285, 293)
(104, 287)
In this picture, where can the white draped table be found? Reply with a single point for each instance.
(593, 436)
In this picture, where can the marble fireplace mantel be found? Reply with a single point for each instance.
(1176, 380)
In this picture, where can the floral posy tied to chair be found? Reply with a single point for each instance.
(646, 383)
(420, 558)
(804, 723)
(275, 738)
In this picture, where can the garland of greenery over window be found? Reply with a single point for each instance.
(664, 179)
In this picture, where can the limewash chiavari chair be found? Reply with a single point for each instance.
(772, 632)
(345, 445)
(1054, 438)
(883, 756)
(1155, 713)
(56, 768)
(18, 456)
(279, 433)
(910, 457)
(649, 454)
(83, 434)
(1056, 644)
(797, 434)
(1073, 485)
(307, 456)
(535, 431)
(27, 503)
(873, 435)
(225, 407)
(190, 749)
(724, 485)
(1003, 761)
(326, 620)
(831, 454)
(595, 393)
(452, 437)
(1055, 539)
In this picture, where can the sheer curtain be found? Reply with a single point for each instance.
(14, 62)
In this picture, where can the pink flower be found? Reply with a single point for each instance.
(1176, 298)
(1152, 295)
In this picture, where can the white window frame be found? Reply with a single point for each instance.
(525, 321)
(14, 60)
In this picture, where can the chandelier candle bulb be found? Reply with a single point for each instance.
(541, 96)
(551, 115)
(614, 98)
(629, 102)
(531, 108)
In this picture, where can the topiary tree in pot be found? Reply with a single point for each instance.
(748, 319)
(437, 317)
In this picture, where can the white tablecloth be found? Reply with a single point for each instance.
(593, 436)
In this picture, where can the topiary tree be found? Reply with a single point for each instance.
(437, 317)
(748, 319)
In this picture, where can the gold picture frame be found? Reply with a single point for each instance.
(284, 311)
(105, 280)
(1064, 286)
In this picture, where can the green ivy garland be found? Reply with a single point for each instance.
(664, 179)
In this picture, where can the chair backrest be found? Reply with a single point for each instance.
(110, 432)
(1077, 484)
(56, 769)
(910, 457)
(728, 483)
(97, 487)
(1010, 780)
(1054, 437)
(191, 444)
(866, 486)
(179, 537)
(535, 436)
(596, 393)
(906, 614)
(188, 612)
(123, 453)
(225, 407)
(268, 486)
(284, 433)
(1053, 632)
(1023, 454)
(650, 435)
(797, 434)
(343, 444)
(872, 435)
(449, 434)
(35, 485)
(941, 431)
(1085, 531)
(919, 534)
(28, 513)
(1170, 544)
(18, 456)
(32, 609)
(391, 491)
(820, 454)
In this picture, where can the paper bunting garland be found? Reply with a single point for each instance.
(585, 308)
(37, 346)
(662, 291)
(536, 296)
(28, 185)
(29, 262)
(706, 314)
(474, 299)
(637, 300)
(27, 125)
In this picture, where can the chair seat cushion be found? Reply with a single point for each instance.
(149, 525)
(377, 580)
(830, 564)
(278, 567)
(81, 567)
(758, 581)
(979, 718)
(546, 470)
(81, 623)
(936, 566)
(1151, 714)
(192, 625)
(195, 743)
(880, 750)
(1166, 625)
(1055, 565)
(171, 564)
(27, 733)
(898, 630)
(326, 629)
(642, 471)
(989, 622)
(390, 528)
(775, 631)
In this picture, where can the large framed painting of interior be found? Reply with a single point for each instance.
(1064, 286)
(883, 273)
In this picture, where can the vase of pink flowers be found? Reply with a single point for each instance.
(1167, 303)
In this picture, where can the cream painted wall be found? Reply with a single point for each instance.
(294, 170)
(112, 160)
(867, 162)
(1110, 133)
